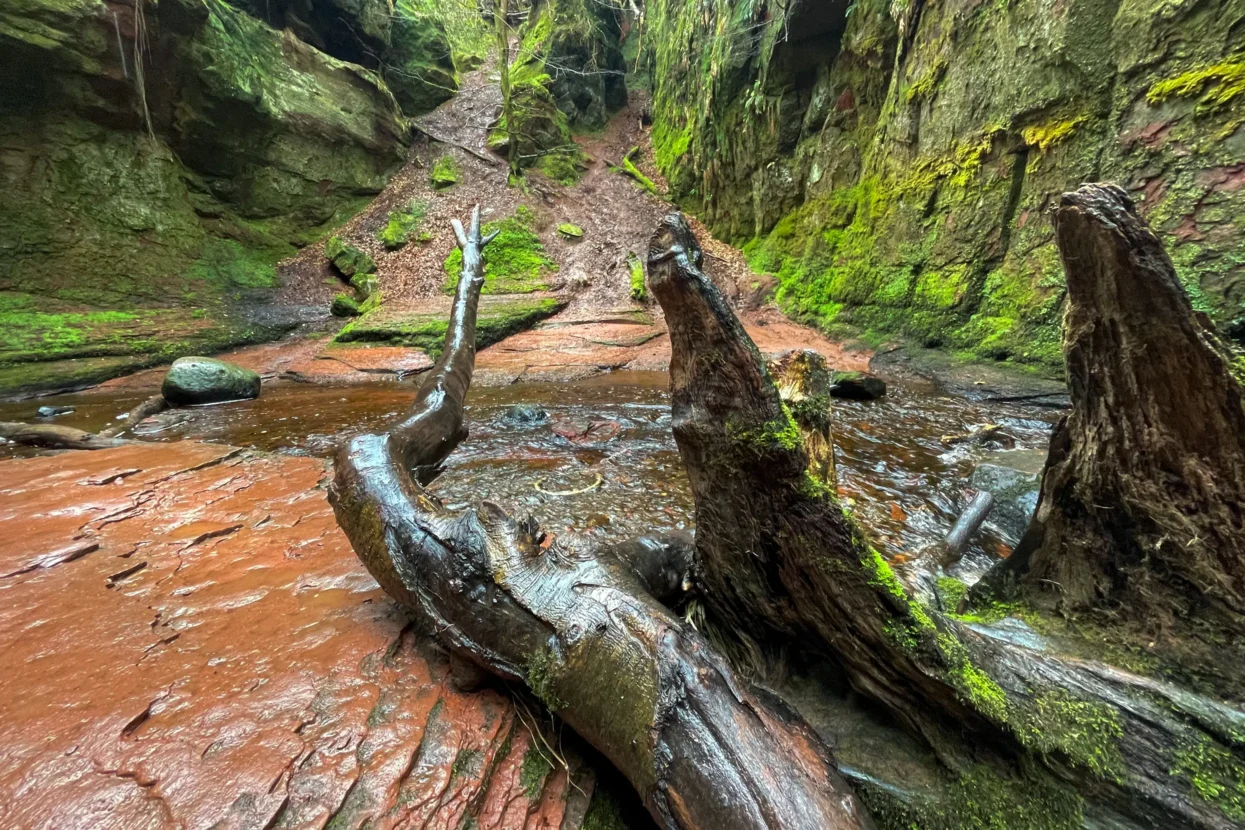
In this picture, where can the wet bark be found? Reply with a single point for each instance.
(779, 562)
(969, 522)
(578, 625)
(1142, 507)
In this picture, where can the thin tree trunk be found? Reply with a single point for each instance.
(577, 625)
(501, 24)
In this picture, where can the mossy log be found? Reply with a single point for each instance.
(578, 625)
(1142, 507)
(777, 557)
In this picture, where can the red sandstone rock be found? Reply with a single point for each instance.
(187, 640)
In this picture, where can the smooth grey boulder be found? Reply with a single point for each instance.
(200, 380)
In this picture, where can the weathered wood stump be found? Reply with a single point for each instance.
(1142, 507)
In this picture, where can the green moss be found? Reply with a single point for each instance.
(466, 762)
(635, 268)
(535, 770)
(347, 259)
(1218, 85)
(542, 670)
(980, 799)
(344, 306)
(444, 173)
(495, 322)
(401, 224)
(419, 65)
(1086, 732)
(570, 231)
(470, 35)
(227, 264)
(1214, 775)
(950, 592)
(779, 434)
(1045, 136)
(606, 811)
(564, 166)
(923, 88)
(973, 685)
(628, 166)
(670, 145)
(515, 262)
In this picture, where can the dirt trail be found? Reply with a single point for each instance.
(601, 328)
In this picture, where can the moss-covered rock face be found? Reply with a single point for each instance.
(580, 43)
(899, 184)
(402, 225)
(515, 262)
(404, 41)
(182, 184)
(499, 317)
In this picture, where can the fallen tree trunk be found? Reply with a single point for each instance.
(1142, 508)
(56, 437)
(578, 625)
(777, 558)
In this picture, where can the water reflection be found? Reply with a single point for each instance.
(895, 473)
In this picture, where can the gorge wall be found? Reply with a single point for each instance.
(164, 155)
(892, 163)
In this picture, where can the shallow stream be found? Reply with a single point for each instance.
(619, 474)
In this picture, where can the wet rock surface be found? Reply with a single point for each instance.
(1015, 497)
(201, 380)
(857, 386)
(190, 642)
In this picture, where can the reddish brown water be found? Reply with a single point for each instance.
(905, 485)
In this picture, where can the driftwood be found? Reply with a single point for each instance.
(55, 437)
(1142, 508)
(966, 525)
(775, 562)
(577, 625)
(152, 406)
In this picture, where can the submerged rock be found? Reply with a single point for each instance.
(857, 386)
(200, 380)
(53, 411)
(1015, 497)
(526, 414)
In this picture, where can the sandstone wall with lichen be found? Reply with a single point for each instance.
(892, 163)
